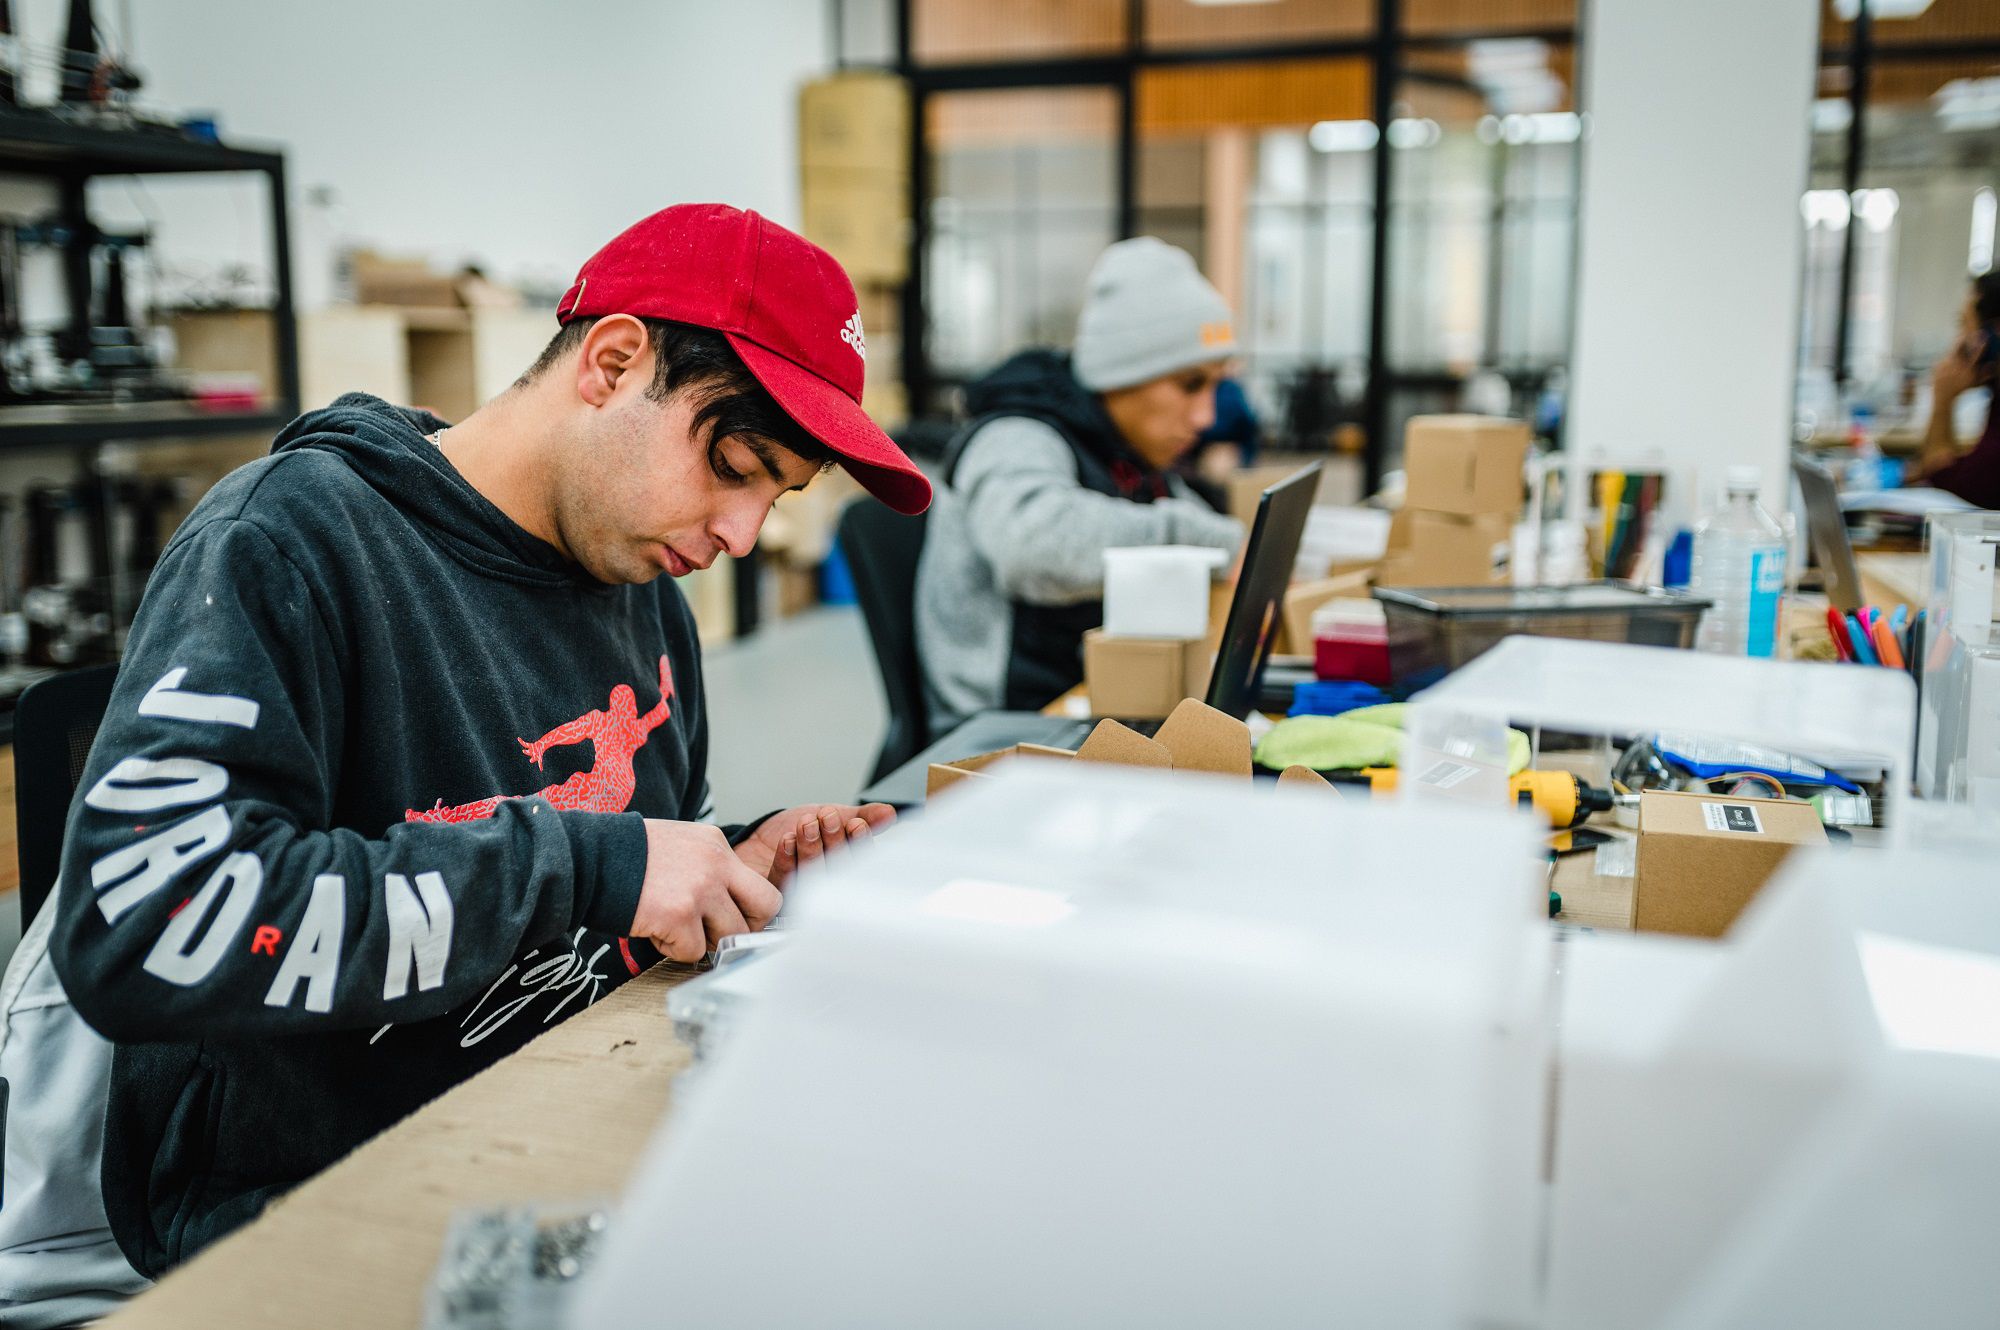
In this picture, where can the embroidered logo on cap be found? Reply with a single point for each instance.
(850, 333)
(1217, 334)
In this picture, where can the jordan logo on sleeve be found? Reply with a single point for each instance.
(615, 734)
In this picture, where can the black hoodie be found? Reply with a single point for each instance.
(364, 816)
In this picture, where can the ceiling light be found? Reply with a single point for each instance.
(1849, 10)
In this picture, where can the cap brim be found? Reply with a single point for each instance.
(837, 420)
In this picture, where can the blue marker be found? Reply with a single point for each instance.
(1864, 650)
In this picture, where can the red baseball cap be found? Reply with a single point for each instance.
(784, 304)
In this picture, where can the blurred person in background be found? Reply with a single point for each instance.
(1972, 474)
(1066, 456)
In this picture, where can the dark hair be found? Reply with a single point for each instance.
(1986, 297)
(727, 398)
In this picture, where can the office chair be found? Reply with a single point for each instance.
(882, 548)
(54, 724)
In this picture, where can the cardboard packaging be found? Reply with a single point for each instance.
(1466, 465)
(1305, 597)
(1703, 857)
(859, 216)
(1142, 677)
(382, 280)
(1196, 737)
(855, 121)
(1444, 549)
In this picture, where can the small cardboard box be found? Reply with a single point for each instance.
(861, 217)
(1703, 857)
(1142, 677)
(1443, 549)
(856, 120)
(1196, 737)
(1466, 465)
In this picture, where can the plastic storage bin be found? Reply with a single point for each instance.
(1434, 630)
(1351, 641)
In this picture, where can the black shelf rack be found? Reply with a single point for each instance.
(51, 145)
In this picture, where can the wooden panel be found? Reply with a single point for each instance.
(1246, 95)
(1183, 23)
(563, 1118)
(1024, 115)
(10, 839)
(944, 31)
(1432, 18)
(1944, 21)
(1901, 82)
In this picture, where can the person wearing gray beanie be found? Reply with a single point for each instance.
(1067, 456)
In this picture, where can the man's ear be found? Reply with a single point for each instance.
(616, 346)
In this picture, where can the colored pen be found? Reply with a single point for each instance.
(1836, 628)
(1885, 645)
(1858, 632)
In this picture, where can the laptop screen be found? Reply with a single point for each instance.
(1260, 592)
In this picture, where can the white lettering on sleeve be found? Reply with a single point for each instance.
(314, 955)
(166, 699)
(128, 875)
(144, 785)
(419, 932)
(243, 876)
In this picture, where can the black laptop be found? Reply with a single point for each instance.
(1233, 686)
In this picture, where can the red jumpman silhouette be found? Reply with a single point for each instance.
(615, 734)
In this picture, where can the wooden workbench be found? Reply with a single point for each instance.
(563, 1119)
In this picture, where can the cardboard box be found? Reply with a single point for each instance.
(860, 217)
(881, 307)
(1703, 857)
(1142, 677)
(1466, 465)
(1196, 737)
(855, 121)
(382, 280)
(1305, 597)
(1443, 549)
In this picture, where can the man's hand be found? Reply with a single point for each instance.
(697, 892)
(801, 835)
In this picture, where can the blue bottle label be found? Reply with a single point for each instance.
(1767, 587)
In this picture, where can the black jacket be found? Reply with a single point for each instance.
(308, 883)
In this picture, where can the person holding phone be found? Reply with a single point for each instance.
(1973, 475)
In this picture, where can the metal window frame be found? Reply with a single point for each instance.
(1384, 48)
(1859, 54)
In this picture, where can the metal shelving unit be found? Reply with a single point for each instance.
(48, 145)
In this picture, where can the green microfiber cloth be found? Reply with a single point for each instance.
(1366, 737)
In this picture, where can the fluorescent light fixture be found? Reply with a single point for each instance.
(1969, 104)
(1217, 4)
(1876, 208)
(1832, 115)
(1849, 10)
(1412, 133)
(1343, 136)
(1979, 259)
(1825, 207)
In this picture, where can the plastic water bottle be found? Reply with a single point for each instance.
(1739, 564)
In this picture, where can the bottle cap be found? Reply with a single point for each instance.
(1745, 478)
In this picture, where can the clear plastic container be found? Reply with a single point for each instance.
(1739, 566)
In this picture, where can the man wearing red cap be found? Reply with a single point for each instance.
(406, 758)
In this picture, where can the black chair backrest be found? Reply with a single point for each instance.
(55, 723)
(882, 546)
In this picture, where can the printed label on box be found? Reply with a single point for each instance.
(1444, 775)
(1732, 817)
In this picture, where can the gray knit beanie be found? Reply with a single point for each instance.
(1147, 311)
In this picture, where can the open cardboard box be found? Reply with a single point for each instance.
(1196, 737)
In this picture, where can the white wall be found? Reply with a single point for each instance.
(518, 133)
(1690, 253)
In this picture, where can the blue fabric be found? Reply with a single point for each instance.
(1331, 697)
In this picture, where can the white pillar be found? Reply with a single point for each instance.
(1689, 257)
